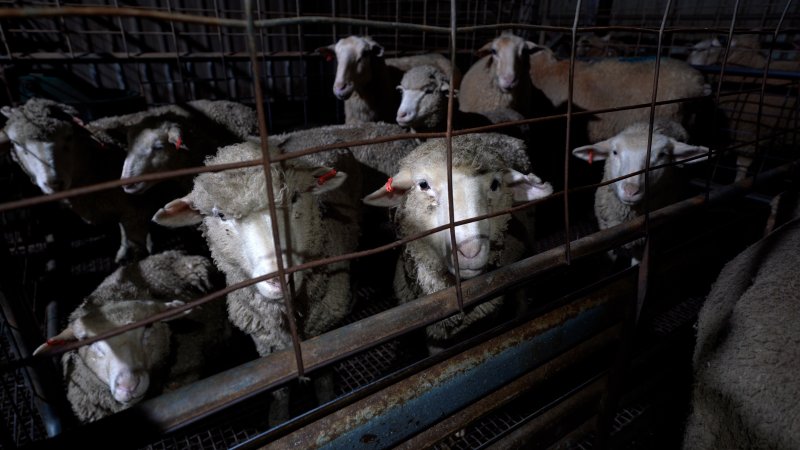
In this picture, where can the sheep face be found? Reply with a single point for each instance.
(626, 153)
(419, 191)
(123, 362)
(153, 149)
(510, 58)
(46, 150)
(354, 55)
(232, 205)
(425, 91)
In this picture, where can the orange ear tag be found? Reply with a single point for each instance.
(389, 187)
(591, 156)
(326, 176)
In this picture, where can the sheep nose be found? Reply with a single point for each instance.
(508, 82)
(404, 116)
(470, 249)
(630, 189)
(341, 90)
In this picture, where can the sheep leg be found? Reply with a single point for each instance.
(279, 407)
(743, 163)
(324, 387)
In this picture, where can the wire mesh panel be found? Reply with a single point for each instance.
(113, 57)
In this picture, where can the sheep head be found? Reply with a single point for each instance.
(354, 56)
(232, 206)
(482, 184)
(425, 91)
(126, 361)
(155, 145)
(510, 57)
(43, 142)
(626, 153)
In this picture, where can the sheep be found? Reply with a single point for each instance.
(406, 63)
(318, 215)
(366, 80)
(484, 181)
(626, 153)
(423, 107)
(112, 374)
(175, 136)
(746, 355)
(50, 143)
(611, 83)
(498, 80)
(743, 109)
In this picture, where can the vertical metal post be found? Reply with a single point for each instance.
(251, 44)
(570, 93)
(449, 141)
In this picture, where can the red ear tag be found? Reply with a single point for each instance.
(328, 57)
(54, 342)
(326, 176)
(178, 143)
(78, 121)
(591, 156)
(389, 187)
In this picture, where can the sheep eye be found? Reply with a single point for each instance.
(494, 52)
(495, 184)
(399, 88)
(158, 145)
(295, 196)
(613, 152)
(429, 90)
(218, 214)
(423, 185)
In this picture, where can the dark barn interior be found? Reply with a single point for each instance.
(593, 351)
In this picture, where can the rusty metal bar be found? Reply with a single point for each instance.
(439, 391)
(568, 149)
(552, 369)
(276, 235)
(449, 147)
(583, 397)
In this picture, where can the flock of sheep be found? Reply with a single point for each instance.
(319, 199)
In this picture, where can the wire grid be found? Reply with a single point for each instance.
(169, 82)
(19, 417)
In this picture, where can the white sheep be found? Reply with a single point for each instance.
(175, 136)
(111, 375)
(777, 110)
(626, 153)
(745, 361)
(50, 143)
(366, 80)
(484, 181)
(440, 62)
(318, 217)
(423, 106)
(612, 83)
(499, 79)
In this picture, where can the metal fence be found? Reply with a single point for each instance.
(153, 52)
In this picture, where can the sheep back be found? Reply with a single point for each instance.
(746, 357)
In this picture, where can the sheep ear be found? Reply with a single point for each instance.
(594, 152)
(68, 335)
(684, 151)
(326, 179)
(373, 47)
(328, 53)
(7, 111)
(445, 87)
(532, 47)
(526, 187)
(175, 304)
(716, 43)
(178, 213)
(390, 194)
(175, 137)
(485, 50)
